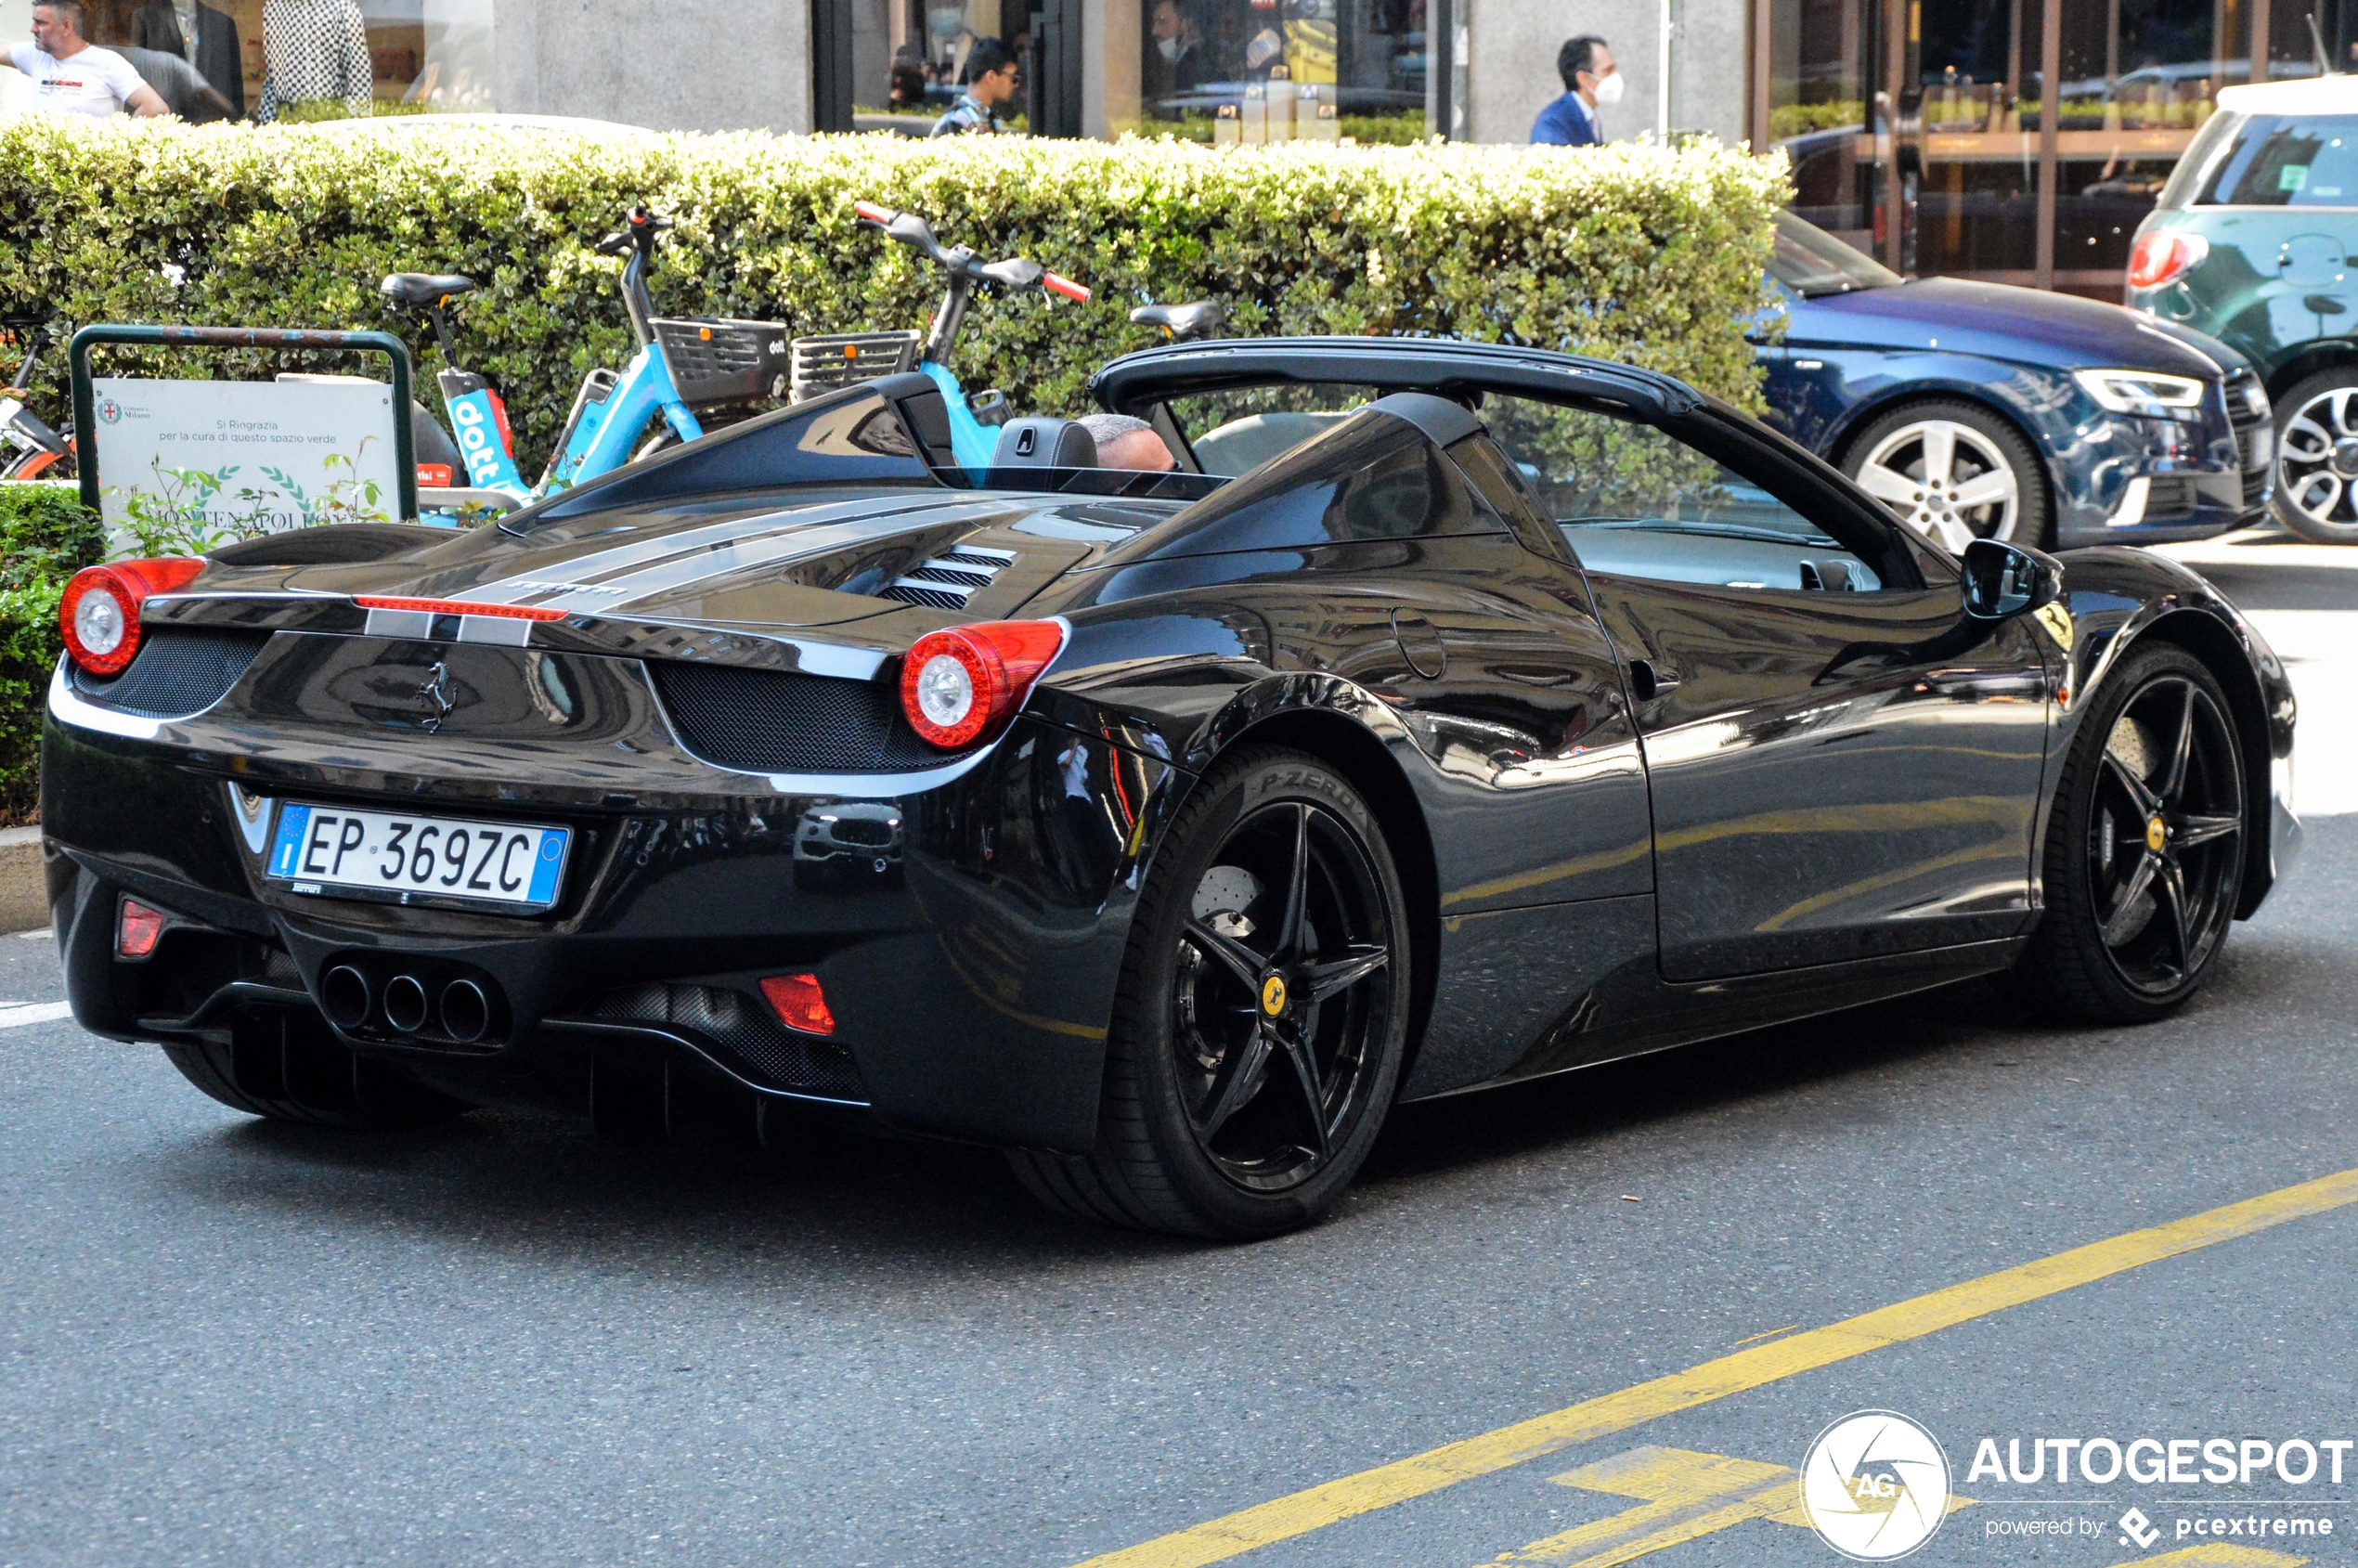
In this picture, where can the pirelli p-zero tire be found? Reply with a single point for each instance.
(1263, 1014)
(292, 1072)
(2144, 851)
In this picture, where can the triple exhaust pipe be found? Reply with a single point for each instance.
(350, 1002)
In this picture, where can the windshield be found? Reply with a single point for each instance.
(1812, 263)
(2275, 160)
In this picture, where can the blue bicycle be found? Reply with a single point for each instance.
(972, 438)
(683, 369)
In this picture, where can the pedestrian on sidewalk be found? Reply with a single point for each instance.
(1591, 82)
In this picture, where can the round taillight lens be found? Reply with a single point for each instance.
(944, 697)
(101, 622)
(99, 614)
(2164, 256)
(958, 687)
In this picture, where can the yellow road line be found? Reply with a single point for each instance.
(1282, 1519)
(2220, 1554)
(1687, 1496)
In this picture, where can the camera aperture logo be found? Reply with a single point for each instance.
(1874, 1485)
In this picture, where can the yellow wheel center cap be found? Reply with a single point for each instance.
(1273, 996)
(2156, 834)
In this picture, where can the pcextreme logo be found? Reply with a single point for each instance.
(1874, 1485)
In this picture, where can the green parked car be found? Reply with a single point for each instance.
(2255, 240)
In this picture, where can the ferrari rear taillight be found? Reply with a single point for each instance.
(800, 1003)
(961, 686)
(2164, 256)
(99, 614)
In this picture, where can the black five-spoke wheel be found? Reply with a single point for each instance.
(2144, 862)
(1283, 979)
(1258, 1035)
(2166, 847)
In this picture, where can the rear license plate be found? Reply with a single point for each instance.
(384, 856)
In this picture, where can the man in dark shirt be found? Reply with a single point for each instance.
(212, 47)
(1591, 80)
(991, 66)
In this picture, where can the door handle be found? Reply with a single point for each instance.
(1649, 681)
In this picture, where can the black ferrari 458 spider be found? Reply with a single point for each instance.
(1449, 715)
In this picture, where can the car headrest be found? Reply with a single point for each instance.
(1038, 443)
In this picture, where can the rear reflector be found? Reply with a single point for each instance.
(458, 607)
(800, 1003)
(137, 930)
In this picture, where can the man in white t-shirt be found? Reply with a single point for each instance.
(69, 76)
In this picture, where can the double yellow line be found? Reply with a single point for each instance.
(1302, 1513)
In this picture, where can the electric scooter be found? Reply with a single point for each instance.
(29, 450)
(682, 368)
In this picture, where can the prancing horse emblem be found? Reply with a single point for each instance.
(437, 692)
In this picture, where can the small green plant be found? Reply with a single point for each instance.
(182, 514)
(45, 536)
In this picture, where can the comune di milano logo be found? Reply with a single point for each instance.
(1875, 1485)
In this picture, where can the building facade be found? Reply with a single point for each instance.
(1920, 130)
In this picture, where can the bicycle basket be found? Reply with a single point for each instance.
(718, 363)
(829, 364)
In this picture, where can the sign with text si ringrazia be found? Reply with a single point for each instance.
(208, 461)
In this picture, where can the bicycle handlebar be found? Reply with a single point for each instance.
(911, 229)
(642, 227)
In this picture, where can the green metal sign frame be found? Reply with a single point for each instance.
(85, 413)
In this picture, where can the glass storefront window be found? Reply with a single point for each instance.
(1263, 70)
(294, 60)
(1818, 112)
(2139, 79)
(1922, 131)
(909, 58)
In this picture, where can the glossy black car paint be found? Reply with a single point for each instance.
(1839, 799)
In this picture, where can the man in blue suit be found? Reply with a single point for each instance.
(1591, 82)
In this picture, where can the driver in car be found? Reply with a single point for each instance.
(1124, 442)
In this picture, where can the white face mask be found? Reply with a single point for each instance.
(1169, 49)
(1608, 90)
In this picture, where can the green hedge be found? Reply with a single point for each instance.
(45, 539)
(1635, 253)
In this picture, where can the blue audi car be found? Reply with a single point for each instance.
(1975, 410)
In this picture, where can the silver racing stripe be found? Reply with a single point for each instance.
(761, 549)
(578, 574)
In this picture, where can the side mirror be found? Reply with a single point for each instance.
(2003, 580)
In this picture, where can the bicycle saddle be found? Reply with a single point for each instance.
(412, 290)
(1198, 319)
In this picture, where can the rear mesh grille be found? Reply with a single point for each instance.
(178, 671)
(775, 721)
(741, 1030)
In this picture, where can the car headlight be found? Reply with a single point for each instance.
(2140, 391)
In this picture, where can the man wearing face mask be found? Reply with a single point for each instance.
(1177, 67)
(952, 41)
(1591, 82)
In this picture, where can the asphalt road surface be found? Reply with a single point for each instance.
(504, 1343)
